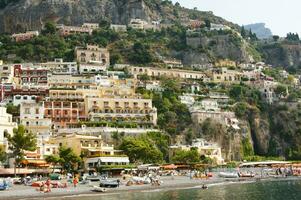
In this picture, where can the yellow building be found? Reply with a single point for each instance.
(135, 110)
(224, 75)
(92, 53)
(174, 73)
(93, 145)
(225, 63)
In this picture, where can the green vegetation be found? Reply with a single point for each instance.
(67, 159)
(21, 141)
(149, 148)
(186, 157)
(3, 155)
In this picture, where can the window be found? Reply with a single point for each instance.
(37, 111)
(27, 111)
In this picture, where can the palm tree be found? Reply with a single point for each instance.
(21, 141)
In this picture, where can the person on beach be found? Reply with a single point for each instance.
(47, 188)
(75, 181)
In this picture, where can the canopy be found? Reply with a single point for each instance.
(248, 164)
(172, 166)
(108, 160)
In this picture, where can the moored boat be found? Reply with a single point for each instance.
(228, 174)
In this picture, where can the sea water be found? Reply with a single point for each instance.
(261, 190)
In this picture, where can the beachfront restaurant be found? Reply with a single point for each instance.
(92, 163)
(112, 165)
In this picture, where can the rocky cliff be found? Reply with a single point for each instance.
(21, 15)
(32, 14)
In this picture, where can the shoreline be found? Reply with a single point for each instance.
(168, 184)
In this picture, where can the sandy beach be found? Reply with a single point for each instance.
(18, 192)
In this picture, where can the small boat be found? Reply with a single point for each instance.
(109, 183)
(93, 178)
(98, 189)
(204, 187)
(246, 175)
(228, 174)
(3, 185)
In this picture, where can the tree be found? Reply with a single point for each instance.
(186, 157)
(243, 32)
(276, 38)
(208, 24)
(3, 155)
(49, 28)
(68, 159)
(280, 91)
(53, 159)
(141, 149)
(21, 141)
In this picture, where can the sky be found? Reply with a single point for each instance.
(281, 16)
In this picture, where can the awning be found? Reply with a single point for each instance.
(108, 160)
(172, 166)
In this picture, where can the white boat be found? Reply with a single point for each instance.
(228, 174)
(98, 189)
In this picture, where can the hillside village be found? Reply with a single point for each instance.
(101, 104)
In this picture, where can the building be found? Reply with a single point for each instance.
(96, 162)
(225, 63)
(171, 63)
(58, 66)
(92, 68)
(19, 37)
(187, 100)
(70, 81)
(86, 28)
(224, 75)
(106, 132)
(30, 75)
(6, 126)
(121, 109)
(92, 145)
(92, 53)
(6, 73)
(175, 73)
(18, 99)
(266, 88)
(154, 86)
(209, 109)
(204, 148)
(218, 27)
(32, 117)
(63, 111)
(118, 28)
(137, 24)
(91, 25)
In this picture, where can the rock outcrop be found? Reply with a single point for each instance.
(32, 14)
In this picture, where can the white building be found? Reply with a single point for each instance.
(204, 148)
(6, 125)
(137, 24)
(118, 28)
(19, 99)
(218, 27)
(154, 86)
(58, 66)
(32, 117)
(187, 100)
(92, 68)
(91, 163)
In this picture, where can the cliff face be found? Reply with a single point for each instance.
(282, 54)
(32, 14)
